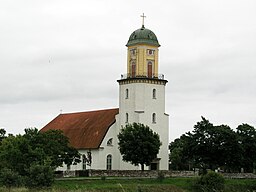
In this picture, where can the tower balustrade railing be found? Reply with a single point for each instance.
(143, 75)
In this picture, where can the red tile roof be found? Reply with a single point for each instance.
(85, 130)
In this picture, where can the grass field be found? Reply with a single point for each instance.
(125, 185)
(138, 185)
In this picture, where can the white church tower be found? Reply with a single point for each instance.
(142, 91)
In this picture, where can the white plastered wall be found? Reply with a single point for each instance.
(140, 105)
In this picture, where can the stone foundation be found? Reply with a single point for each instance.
(144, 174)
(239, 175)
(126, 173)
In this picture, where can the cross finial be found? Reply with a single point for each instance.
(143, 17)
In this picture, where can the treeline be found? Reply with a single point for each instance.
(31, 159)
(214, 147)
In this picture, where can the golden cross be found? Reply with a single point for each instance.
(143, 17)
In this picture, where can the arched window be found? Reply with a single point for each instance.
(126, 118)
(154, 94)
(133, 69)
(150, 69)
(126, 93)
(153, 118)
(109, 162)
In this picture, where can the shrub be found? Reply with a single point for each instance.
(103, 178)
(160, 176)
(10, 178)
(209, 182)
(40, 176)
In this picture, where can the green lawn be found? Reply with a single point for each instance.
(146, 185)
(138, 185)
(122, 185)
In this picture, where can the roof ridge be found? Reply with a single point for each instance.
(98, 110)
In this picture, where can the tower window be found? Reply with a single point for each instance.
(133, 68)
(109, 162)
(126, 93)
(154, 94)
(150, 52)
(126, 118)
(150, 69)
(133, 52)
(153, 118)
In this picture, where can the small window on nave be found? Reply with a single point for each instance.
(153, 118)
(126, 118)
(110, 142)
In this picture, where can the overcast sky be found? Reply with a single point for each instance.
(67, 55)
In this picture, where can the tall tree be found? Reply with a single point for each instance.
(138, 144)
(247, 140)
(209, 147)
(180, 154)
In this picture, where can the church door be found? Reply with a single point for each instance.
(153, 166)
(150, 69)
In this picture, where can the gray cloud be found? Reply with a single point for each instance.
(64, 55)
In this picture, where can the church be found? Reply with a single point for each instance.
(141, 100)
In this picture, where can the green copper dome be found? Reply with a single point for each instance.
(143, 36)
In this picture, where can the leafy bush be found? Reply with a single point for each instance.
(40, 176)
(209, 182)
(160, 176)
(9, 178)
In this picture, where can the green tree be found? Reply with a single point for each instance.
(180, 156)
(215, 146)
(52, 145)
(14, 151)
(208, 147)
(138, 144)
(247, 141)
(2, 134)
(44, 150)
